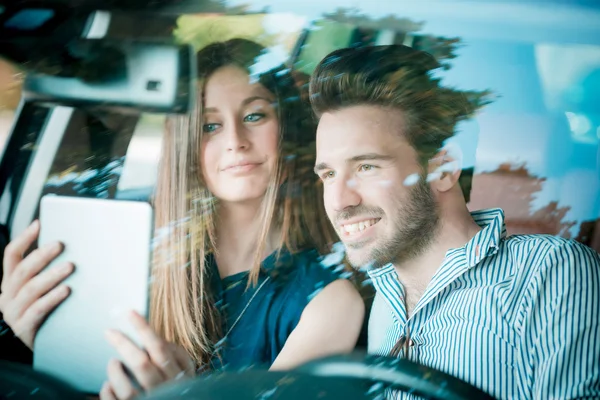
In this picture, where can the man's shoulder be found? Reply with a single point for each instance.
(547, 254)
(549, 241)
(543, 245)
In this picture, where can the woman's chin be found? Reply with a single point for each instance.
(240, 190)
(242, 195)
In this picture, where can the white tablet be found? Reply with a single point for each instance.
(109, 242)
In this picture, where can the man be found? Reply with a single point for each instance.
(518, 316)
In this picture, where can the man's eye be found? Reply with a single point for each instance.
(210, 128)
(327, 175)
(366, 168)
(255, 117)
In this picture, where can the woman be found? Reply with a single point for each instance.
(245, 206)
(236, 280)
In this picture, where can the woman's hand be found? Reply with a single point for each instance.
(159, 363)
(28, 295)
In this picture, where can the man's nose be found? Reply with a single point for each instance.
(237, 137)
(344, 194)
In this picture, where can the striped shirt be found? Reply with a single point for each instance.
(517, 316)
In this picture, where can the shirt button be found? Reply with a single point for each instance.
(411, 343)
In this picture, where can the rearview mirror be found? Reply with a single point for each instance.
(126, 75)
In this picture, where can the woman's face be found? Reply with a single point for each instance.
(239, 148)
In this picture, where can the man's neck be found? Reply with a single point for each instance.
(238, 227)
(455, 229)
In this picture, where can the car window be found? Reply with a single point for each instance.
(139, 172)
(10, 93)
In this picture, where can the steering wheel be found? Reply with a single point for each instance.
(396, 373)
(348, 377)
(341, 377)
(20, 381)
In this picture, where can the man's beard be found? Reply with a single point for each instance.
(414, 229)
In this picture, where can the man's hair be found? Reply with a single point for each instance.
(396, 77)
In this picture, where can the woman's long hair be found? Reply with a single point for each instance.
(182, 308)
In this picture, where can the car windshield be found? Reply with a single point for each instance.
(529, 145)
(533, 152)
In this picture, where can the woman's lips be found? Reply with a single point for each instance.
(241, 168)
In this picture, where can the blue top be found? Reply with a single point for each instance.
(272, 315)
(518, 316)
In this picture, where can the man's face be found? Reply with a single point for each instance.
(374, 192)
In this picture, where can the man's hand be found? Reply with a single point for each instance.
(159, 363)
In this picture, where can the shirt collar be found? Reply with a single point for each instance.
(375, 273)
(484, 244)
(487, 241)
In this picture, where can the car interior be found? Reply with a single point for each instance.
(65, 129)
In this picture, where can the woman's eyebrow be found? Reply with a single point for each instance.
(255, 98)
(245, 102)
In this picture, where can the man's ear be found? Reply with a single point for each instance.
(443, 172)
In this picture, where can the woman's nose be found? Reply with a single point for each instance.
(237, 138)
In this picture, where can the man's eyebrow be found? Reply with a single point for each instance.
(361, 157)
(370, 156)
(320, 167)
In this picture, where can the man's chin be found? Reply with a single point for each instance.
(359, 258)
(363, 257)
(360, 254)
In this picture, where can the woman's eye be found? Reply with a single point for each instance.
(255, 117)
(210, 128)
